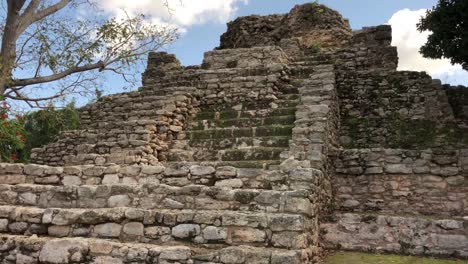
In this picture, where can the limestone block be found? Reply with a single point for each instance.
(186, 231)
(108, 230)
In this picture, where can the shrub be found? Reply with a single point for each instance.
(44, 126)
(12, 139)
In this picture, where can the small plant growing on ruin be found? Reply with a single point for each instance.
(315, 48)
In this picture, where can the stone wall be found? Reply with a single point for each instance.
(382, 107)
(458, 99)
(396, 109)
(397, 234)
(393, 181)
(368, 49)
(244, 58)
(315, 25)
(178, 174)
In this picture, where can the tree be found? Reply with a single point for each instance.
(44, 126)
(448, 22)
(49, 49)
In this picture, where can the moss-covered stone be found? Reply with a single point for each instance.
(397, 132)
(273, 131)
(258, 164)
(252, 154)
(243, 122)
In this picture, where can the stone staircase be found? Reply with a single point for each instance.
(218, 193)
(246, 135)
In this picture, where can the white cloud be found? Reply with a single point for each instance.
(182, 13)
(408, 40)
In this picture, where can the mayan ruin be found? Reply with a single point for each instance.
(296, 136)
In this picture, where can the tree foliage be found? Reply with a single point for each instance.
(448, 23)
(44, 126)
(53, 48)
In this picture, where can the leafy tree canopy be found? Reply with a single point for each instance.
(53, 48)
(448, 24)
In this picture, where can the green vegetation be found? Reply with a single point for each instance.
(362, 258)
(43, 127)
(11, 134)
(315, 48)
(448, 24)
(404, 133)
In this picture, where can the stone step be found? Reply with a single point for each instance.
(242, 122)
(188, 173)
(238, 143)
(158, 196)
(289, 96)
(308, 63)
(160, 226)
(222, 133)
(397, 234)
(291, 101)
(250, 154)
(256, 164)
(31, 249)
(232, 114)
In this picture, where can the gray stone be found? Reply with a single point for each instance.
(398, 169)
(201, 170)
(456, 180)
(23, 259)
(214, 233)
(60, 251)
(59, 231)
(226, 172)
(374, 170)
(108, 230)
(71, 180)
(119, 201)
(152, 170)
(186, 231)
(232, 183)
(3, 225)
(232, 256)
(110, 179)
(133, 229)
(175, 253)
(107, 260)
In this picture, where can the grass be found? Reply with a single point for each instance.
(362, 258)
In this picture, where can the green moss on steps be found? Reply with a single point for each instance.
(244, 122)
(258, 164)
(252, 154)
(363, 258)
(226, 143)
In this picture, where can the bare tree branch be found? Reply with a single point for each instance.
(58, 76)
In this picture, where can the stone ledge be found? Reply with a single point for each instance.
(175, 174)
(156, 226)
(79, 250)
(154, 196)
(397, 234)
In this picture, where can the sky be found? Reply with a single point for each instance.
(203, 21)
